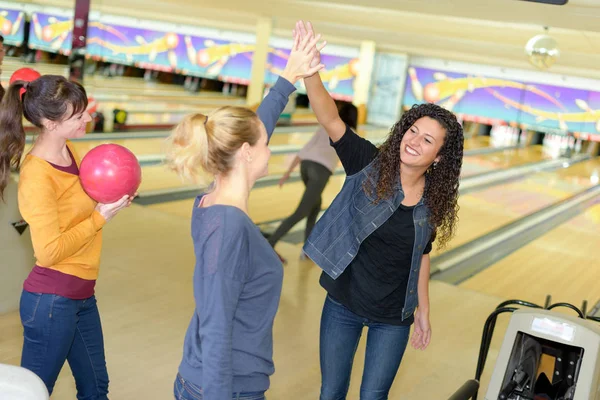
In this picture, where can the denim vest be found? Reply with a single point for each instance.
(351, 218)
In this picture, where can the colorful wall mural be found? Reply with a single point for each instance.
(470, 96)
(50, 33)
(338, 76)
(228, 61)
(530, 105)
(134, 46)
(12, 24)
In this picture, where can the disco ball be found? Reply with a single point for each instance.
(542, 51)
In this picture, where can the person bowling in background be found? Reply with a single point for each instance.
(228, 348)
(318, 162)
(58, 308)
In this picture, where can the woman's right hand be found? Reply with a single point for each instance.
(321, 102)
(108, 211)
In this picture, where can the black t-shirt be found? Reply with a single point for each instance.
(374, 284)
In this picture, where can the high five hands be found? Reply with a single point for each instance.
(305, 59)
(303, 31)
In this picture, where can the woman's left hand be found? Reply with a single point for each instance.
(422, 331)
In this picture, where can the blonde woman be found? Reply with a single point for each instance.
(228, 348)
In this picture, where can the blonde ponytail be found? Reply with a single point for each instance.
(203, 145)
(187, 147)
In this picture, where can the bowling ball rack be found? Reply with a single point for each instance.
(469, 390)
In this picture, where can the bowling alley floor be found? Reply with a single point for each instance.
(145, 298)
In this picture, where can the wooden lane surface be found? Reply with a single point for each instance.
(265, 204)
(473, 165)
(477, 142)
(140, 147)
(279, 203)
(155, 146)
(486, 210)
(158, 177)
(562, 263)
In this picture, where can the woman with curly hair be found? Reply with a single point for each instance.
(374, 240)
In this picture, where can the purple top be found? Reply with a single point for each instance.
(71, 169)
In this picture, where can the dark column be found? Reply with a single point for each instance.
(79, 40)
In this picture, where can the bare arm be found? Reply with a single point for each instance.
(324, 107)
(423, 286)
(422, 330)
(297, 159)
(293, 165)
(287, 174)
(320, 100)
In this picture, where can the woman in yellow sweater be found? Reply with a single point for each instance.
(58, 308)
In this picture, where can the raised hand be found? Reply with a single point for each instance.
(303, 30)
(300, 63)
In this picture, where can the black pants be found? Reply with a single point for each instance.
(315, 177)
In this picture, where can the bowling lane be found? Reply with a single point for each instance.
(140, 147)
(473, 165)
(145, 146)
(158, 177)
(301, 138)
(278, 203)
(561, 263)
(486, 210)
(272, 203)
(155, 146)
(477, 142)
(265, 204)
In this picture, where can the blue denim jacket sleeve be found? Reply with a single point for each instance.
(274, 103)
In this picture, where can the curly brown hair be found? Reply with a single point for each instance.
(441, 181)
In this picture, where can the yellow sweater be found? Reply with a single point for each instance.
(65, 228)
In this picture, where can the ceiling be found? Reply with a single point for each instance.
(482, 31)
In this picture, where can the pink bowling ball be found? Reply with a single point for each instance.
(108, 172)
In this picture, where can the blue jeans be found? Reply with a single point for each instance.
(57, 329)
(340, 333)
(185, 390)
